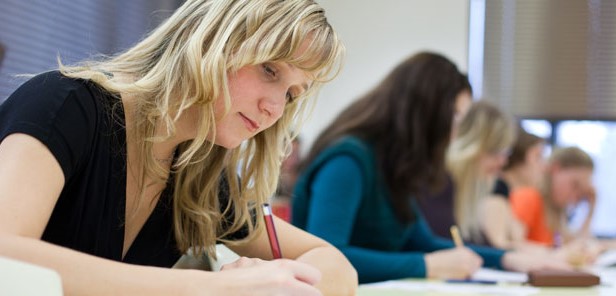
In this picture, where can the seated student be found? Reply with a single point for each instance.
(111, 170)
(525, 165)
(360, 180)
(475, 157)
(524, 168)
(566, 182)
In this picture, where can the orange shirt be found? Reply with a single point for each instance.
(527, 205)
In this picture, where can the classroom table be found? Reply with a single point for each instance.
(22, 278)
(424, 287)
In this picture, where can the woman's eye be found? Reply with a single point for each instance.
(269, 70)
(290, 98)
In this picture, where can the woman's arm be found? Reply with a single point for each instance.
(337, 191)
(442, 258)
(30, 183)
(590, 197)
(332, 212)
(338, 275)
(496, 222)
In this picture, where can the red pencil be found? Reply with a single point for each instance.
(271, 231)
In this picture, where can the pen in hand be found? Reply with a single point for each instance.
(271, 231)
(457, 239)
(455, 235)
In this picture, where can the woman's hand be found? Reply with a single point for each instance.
(251, 276)
(456, 263)
(338, 275)
(580, 252)
(527, 261)
(590, 195)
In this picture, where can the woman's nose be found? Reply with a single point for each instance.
(502, 161)
(273, 105)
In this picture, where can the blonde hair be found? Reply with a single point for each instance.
(567, 157)
(484, 129)
(183, 63)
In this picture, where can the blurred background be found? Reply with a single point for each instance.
(551, 63)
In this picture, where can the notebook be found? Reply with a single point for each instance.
(551, 278)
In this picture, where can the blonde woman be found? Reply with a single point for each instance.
(112, 169)
(474, 159)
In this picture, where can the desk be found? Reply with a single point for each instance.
(22, 278)
(425, 287)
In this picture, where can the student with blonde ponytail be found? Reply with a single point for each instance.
(474, 159)
(113, 168)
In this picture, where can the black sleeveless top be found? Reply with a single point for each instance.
(74, 119)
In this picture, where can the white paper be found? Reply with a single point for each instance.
(23, 278)
(606, 259)
(500, 276)
(444, 287)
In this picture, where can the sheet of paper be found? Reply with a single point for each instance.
(606, 259)
(607, 275)
(23, 278)
(443, 287)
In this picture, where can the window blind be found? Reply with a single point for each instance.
(34, 32)
(551, 59)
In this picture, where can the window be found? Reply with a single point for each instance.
(35, 32)
(598, 139)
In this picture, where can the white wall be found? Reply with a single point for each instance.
(378, 35)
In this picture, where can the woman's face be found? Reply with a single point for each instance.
(569, 185)
(534, 164)
(464, 101)
(491, 162)
(259, 94)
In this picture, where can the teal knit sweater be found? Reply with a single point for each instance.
(342, 198)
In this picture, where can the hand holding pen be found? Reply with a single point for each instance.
(281, 277)
(457, 263)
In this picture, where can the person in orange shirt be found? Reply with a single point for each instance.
(525, 167)
(542, 210)
(527, 204)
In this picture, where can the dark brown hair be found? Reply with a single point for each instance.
(523, 143)
(407, 119)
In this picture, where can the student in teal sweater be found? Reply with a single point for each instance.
(358, 186)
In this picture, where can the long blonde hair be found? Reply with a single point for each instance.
(183, 63)
(565, 158)
(484, 129)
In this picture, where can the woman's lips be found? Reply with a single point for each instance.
(250, 125)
